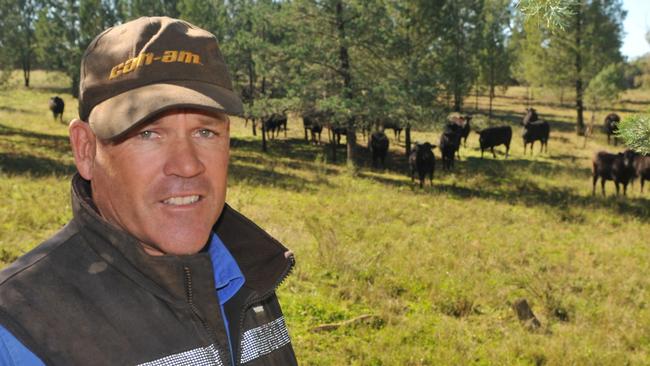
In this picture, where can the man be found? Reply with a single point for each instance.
(154, 268)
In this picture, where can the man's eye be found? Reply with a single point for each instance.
(206, 133)
(145, 135)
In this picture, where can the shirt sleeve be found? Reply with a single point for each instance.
(14, 353)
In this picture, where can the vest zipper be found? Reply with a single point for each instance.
(259, 299)
(189, 296)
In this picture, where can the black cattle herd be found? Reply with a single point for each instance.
(621, 168)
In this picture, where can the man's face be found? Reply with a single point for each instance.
(165, 183)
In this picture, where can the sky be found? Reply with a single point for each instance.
(636, 24)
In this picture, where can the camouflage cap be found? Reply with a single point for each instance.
(136, 70)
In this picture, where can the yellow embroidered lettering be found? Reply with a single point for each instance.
(170, 56)
(129, 65)
(189, 57)
(144, 59)
(116, 71)
(148, 57)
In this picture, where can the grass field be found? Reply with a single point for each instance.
(435, 269)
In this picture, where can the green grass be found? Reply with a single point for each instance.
(439, 267)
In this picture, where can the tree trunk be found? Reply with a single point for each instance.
(407, 140)
(26, 69)
(492, 82)
(580, 123)
(344, 58)
(491, 99)
(263, 137)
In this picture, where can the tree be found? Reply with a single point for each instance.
(459, 27)
(604, 90)
(64, 29)
(635, 131)
(131, 9)
(585, 37)
(411, 79)
(494, 56)
(255, 43)
(17, 38)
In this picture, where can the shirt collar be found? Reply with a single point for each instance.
(228, 278)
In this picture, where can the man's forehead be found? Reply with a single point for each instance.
(199, 114)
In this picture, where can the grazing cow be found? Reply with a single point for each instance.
(449, 144)
(611, 126)
(533, 131)
(274, 124)
(336, 132)
(495, 136)
(57, 106)
(465, 123)
(313, 122)
(642, 168)
(530, 116)
(423, 161)
(395, 126)
(379, 148)
(616, 167)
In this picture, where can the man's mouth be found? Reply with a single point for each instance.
(183, 200)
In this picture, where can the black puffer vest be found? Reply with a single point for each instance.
(91, 296)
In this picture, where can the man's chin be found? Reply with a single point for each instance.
(182, 246)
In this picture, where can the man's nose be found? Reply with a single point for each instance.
(183, 159)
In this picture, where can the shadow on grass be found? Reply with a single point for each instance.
(637, 102)
(57, 143)
(508, 188)
(15, 163)
(17, 110)
(53, 90)
(263, 177)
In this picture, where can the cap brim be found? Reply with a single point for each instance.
(117, 115)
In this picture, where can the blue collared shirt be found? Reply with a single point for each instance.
(228, 279)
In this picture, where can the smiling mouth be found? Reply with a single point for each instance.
(184, 200)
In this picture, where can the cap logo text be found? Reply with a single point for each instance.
(147, 58)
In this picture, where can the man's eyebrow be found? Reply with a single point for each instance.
(213, 119)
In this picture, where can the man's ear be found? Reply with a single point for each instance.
(84, 143)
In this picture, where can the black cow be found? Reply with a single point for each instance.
(616, 167)
(611, 126)
(465, 123)
(336, 132)
(423, 161)
(530, 116)
(495, 136)
(313, 122)
(379, 148)
(449, 144)
(274, 124)
(395, 126)
(642, 168)
(57, 106)
(534, 131)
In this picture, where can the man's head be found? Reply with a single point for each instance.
(156, 95)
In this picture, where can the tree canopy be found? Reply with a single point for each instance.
(363, 61)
